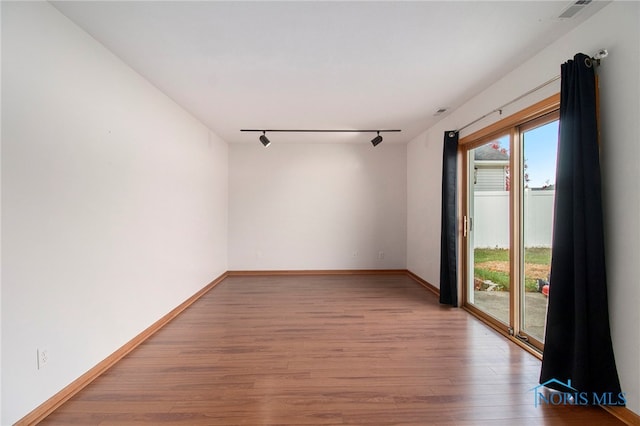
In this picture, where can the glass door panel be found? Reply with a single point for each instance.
(539, 150)
(488, 225)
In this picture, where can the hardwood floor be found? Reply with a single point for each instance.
(321, 350)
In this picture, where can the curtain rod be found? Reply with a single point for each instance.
(596, 60)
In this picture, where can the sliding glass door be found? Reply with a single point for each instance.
(509, 194)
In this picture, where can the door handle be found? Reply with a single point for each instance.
(464, 226)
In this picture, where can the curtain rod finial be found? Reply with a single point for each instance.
(602, 53)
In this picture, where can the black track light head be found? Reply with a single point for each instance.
(375, 141)
(263, 138)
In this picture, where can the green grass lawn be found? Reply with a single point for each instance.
(537, 255)
(532, 256)
(482, 255)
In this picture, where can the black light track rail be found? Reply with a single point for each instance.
(318, 130)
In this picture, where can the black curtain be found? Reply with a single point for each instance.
(578, 339)
(448, 237)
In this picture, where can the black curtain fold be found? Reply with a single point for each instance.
(578, 339)
(448, 237)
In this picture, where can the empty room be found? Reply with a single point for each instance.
(320, 213)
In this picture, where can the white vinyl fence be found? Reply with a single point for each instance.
(491, 218)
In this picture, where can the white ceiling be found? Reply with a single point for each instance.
(322, 65)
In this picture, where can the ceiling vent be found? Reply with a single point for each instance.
(574, 8)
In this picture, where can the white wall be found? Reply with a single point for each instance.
(424, 187)
(114, 204)
(616, 28)
(317, 206)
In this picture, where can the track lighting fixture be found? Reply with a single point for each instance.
(266, 142)
(263, 138)
(375, 141)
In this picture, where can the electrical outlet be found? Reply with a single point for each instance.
(380, 255)
(43, 358)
